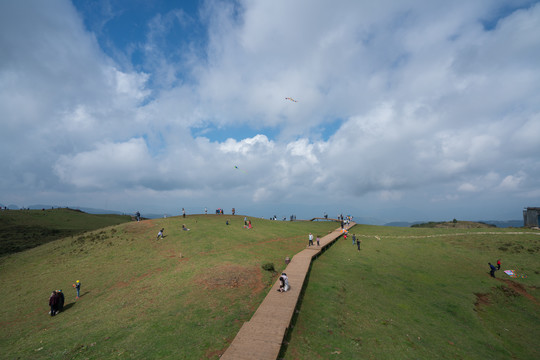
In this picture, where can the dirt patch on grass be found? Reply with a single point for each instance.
(511, 289)
(139, 227)
(515, 289)
(215, 354)
(231, 276)
(481, 300)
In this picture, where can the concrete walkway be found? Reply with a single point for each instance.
(261, 337)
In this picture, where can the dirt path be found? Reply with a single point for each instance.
(261, 337)
(378, 237)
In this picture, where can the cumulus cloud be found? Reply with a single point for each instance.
(420, 102)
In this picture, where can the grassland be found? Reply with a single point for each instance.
(25, 229)
(410, 293)
(181, 297)
(421, 294)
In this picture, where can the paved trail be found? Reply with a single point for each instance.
(260, 338)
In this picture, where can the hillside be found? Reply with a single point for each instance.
(454, 225)
(25, 229)
(422, 293)
(181, 297)
(409, 293)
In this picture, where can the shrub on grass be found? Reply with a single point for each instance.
(269, 267)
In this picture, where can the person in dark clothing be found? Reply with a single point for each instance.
(53, 302)
(498, 264)
(61, 300)
(358, 243)
(492, 270)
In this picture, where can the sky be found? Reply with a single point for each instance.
(405, 110)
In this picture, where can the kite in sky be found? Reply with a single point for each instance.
(236, 167)
(291, 99)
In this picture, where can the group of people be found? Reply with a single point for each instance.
(56, 302)
(492, 267)
(57, 299)
(283, 283)
(356, 240)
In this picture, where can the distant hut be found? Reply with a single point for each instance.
(531, 217)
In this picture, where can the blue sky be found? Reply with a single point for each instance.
(409, 110)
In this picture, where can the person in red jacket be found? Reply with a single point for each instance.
(498, 264)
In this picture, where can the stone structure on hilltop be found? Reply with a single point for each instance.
(531, 216)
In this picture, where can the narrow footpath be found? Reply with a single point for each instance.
(261, 337)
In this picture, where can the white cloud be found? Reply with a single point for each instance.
(467, 187)
(107, 166)
(512, 182)
(428, 101)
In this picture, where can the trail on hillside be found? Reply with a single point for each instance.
(378, 237)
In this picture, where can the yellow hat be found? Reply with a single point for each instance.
(77, 280)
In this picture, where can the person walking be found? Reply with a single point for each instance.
(358, 243)
(492, 270)
(310, 237)
(353, 239)
(318, 238)
(183, 212)
(498, 264)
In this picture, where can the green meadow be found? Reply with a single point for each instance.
(25, 229)
(409, 293)
(421, 294)
(181, 297)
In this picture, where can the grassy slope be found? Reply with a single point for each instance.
(25, 229)
(421, 294)
(182, 297)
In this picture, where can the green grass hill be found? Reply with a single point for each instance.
(421, 293)
(25, 229)
(181, 297)
(409, 293)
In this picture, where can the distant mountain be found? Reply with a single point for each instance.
(497, 223)
(402, 223)
(505, 224)
(10, 206)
